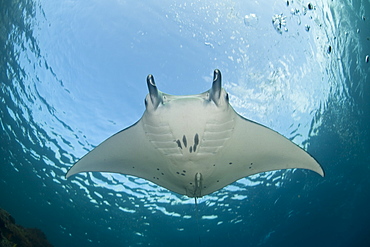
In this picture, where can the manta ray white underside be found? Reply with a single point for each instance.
(194, 145)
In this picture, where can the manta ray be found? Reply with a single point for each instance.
(194, 144)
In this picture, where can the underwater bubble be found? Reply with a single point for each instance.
(367, 59)
(250, 20)
(294, 11)
(209, 44)
(310, 6)
(304, 11)
(279, 23)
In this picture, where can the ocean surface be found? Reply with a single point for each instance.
(72, 73)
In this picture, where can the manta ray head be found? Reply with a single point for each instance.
(216, 96)
(185, 120)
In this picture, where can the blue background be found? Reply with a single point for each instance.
(73, 73)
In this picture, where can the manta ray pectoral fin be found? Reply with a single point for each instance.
(253, 149)
(129, 152)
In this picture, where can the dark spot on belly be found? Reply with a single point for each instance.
(179, 144)
(196, 142)
(329, 49)
(184, 141)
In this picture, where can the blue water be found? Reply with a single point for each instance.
(73, 73)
